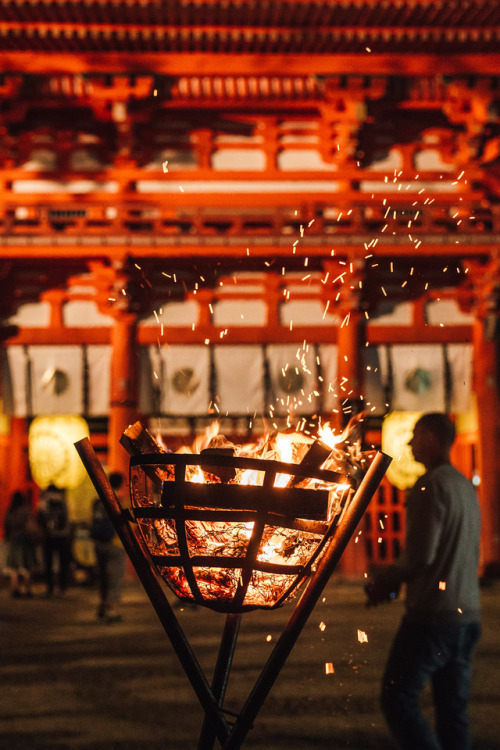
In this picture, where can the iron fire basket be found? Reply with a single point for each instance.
(232, 548)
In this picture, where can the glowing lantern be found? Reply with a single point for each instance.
(52, 455)
(397, 431)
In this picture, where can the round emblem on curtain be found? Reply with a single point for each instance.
(291, 381)
(418, 381)
(184, 381)
(55, 380)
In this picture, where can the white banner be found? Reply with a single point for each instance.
(460, 361)
(328, 357)
(56, 379)
(179, 376)
(14, 381)
(184, 379)
(374, 379)
(418, 377)
(294, 383)
(384, 364)
(240, 379)
(99, 382)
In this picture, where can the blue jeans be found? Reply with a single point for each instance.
(440, 654)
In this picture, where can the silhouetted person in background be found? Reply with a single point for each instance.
(57, 537)
(22, 535)
(110, 556)
(441, 625)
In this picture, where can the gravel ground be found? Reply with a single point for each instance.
(68, 682)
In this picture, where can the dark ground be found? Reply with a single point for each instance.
(68, 682)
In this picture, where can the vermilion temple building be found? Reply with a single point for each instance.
(265, 213)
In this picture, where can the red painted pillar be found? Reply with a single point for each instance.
(349, 365)
(13, 470)
(485, 388)
(354, 561)
(124, 388)
(17, 457)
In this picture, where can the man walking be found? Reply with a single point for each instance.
(441, 625)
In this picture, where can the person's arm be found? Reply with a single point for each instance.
(423, 530)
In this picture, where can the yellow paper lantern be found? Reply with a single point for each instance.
(52, 455)
(397, 431)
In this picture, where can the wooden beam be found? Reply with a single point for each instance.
(220, 336)
(208, 63)
(191, 178)
(59, 336)
(418, 334)
(264, 248)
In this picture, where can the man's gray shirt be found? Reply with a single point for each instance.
(441, 557)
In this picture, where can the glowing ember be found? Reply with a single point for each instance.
(238, 527)
(362, 637)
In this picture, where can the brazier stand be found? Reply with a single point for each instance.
(216, 726)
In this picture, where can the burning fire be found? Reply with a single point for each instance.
(222, 544)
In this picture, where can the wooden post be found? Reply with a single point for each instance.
(124, 388)
(13, 474)
(485, 388)
(349, 362)
(354, 562)
(17, 473)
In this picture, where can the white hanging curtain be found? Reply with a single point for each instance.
(99, 379)
(240, 379)
(56, 379)
(328, 357)
(418, 377)
(184, 379)
(374, 379)
(14, 381)
(294, 382)
(460, 362)
(384, 365)
(149, 380)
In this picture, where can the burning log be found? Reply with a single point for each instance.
(340, 453)
(219, 445)
(315, 457)
(137, 440)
